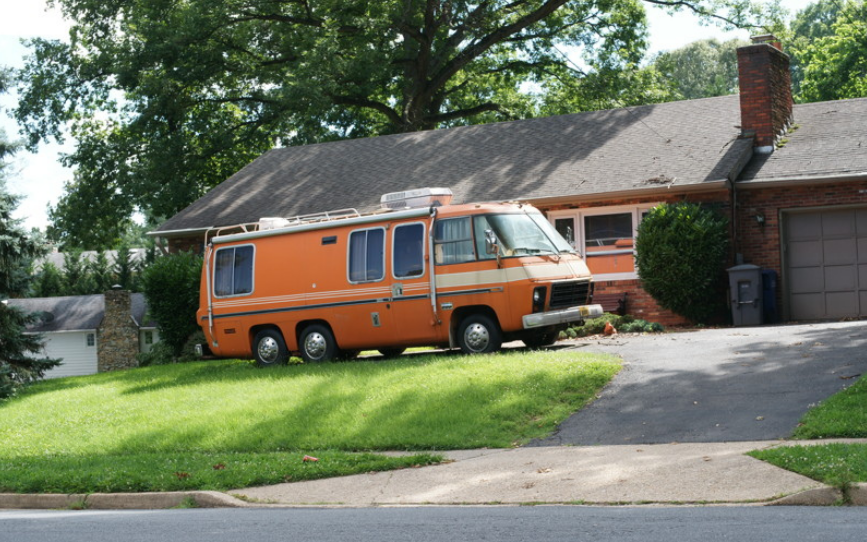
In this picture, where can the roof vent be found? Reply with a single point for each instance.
(273, 223)
(421, 197)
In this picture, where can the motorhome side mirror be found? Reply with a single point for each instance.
(491, 242)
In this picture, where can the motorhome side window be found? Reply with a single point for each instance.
(408, 253)
(453, 239)
(233, 271)
(367, 255)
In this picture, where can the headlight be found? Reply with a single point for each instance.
(539, 299)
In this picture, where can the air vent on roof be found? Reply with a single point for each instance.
(421, 197)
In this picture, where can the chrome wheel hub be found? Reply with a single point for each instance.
(315, 345)
(268, 350)
(477, 337)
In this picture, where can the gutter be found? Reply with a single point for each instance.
(809, 179)
(708, 186)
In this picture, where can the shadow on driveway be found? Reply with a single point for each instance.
(716, 385)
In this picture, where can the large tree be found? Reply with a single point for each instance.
(167, 98)
(814, 22)
(835, 66)
(701, 69)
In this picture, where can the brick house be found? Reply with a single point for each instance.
(793, 179)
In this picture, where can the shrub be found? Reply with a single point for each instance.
(680, 251)
(171, 286)
(624, 324)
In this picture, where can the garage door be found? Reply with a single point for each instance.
(826, 263)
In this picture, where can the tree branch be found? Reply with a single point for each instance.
(462, 113)
(699, 10)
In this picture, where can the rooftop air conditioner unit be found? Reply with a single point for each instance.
(421, 197)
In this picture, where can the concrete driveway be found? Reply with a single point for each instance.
(716, 385)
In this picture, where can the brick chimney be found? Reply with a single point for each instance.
(766, 91)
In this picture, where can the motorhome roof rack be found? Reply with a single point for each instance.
(273, 223)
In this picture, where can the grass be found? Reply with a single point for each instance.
(834, 464)
(225, 424)
(843, 415)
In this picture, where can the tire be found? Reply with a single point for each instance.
(317, 344)
(269, 348)
(541, 339)
(479, 334)
(391, 352)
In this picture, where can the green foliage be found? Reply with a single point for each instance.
(167, 99)
(701, 69)
(18, 366)
(680, 252)
(834, 464)
(623, 324)
(77, 276)
(189, 418)
(835, 65)
(843, 415)
(171, 286)
(810, 24)
(48, 282)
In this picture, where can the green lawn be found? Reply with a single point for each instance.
(227, 424)
(844, 415)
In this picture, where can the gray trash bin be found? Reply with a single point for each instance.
(745, 287)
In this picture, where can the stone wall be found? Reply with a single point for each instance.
(118, 334)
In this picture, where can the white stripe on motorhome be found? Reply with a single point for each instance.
(309, 297)
(499, 276)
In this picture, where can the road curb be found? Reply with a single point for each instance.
(121, 501)
(825, 496)
(856, 495)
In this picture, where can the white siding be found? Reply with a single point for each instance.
(78, 358)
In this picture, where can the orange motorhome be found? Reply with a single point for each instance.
(422, 272)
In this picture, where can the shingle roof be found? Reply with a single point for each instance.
(75, 313)
(636, 148)
(829, 139)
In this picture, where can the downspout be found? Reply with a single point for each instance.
(734, 221)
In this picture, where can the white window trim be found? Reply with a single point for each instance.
(423, 250)
(578, 216)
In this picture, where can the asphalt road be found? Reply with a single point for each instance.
(717, 385)
(442, 524)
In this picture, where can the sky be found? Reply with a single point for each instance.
(39, 177)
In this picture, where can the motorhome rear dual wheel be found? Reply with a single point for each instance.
(317, 344)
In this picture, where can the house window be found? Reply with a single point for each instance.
(408, 251)
(148, 337)
(233, 271)
(91, 339)
(367, 255)
(604, 236)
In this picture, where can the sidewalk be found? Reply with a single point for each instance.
(717, 473)
(665, 474)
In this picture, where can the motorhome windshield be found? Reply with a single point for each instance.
(522, 234)
(462, 239)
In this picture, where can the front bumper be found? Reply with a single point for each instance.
(564, 316)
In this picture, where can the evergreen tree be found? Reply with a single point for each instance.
(48, 282)
(17, 250)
